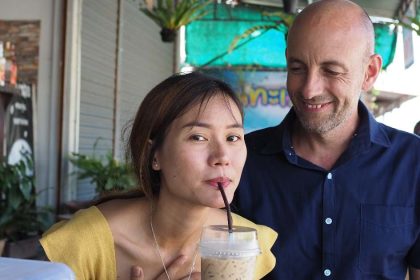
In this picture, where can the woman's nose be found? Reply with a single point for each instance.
(219, 155)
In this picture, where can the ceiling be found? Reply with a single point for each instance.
(377, 8)
(380, 8)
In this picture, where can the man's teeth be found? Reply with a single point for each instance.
(310, 106)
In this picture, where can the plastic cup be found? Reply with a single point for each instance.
(227, 255)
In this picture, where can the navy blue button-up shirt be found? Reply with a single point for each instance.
(359, 220)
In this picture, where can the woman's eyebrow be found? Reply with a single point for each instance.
(206, 125)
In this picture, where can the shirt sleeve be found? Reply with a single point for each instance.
(84, 243)
(413, 258)
(266, 261)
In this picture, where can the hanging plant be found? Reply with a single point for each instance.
(285, 22)
(170, 15)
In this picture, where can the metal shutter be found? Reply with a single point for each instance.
(99, 34)
(145, 61)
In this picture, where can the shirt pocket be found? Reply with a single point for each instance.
(387, 233)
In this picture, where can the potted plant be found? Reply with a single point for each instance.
(108, 174)
(21, 221)
(105, 172)
(170, 15)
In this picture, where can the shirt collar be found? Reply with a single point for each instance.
(369, 131)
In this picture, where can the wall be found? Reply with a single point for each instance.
(49, 13)
(122, 58)
(105, 79)
(24, 35)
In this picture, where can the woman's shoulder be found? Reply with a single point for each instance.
(82, 221)
(84, 243)
(124, 213)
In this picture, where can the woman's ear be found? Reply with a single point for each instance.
(155, 164)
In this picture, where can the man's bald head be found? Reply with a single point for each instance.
(342, 14)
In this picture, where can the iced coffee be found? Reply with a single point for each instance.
(228, 255)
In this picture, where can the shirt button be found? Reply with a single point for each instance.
(329, 176)
(328, 221)
(327, 272)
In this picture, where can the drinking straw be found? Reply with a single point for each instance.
(229, 214)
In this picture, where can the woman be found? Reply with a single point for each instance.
(186, 138)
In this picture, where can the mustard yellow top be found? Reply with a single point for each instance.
(86, 245)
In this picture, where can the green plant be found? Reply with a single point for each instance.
(106, 173)
(283, 24)
(20, 217)
(170, 15)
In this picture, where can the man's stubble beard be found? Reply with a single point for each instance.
(324, 125)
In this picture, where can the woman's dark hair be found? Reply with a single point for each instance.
(161, 106)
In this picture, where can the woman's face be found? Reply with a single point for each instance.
(202, 149)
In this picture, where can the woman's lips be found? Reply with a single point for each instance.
(224, 181)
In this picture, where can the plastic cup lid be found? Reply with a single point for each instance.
(216, 241)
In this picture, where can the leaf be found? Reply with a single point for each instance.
(173, 16)
(15, 198)
(153, 16)
(286, 18)
(248, 33)
(26, 188)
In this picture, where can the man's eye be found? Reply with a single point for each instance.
(331, 72)
(296, 69)
(233, 138)
(198, 138)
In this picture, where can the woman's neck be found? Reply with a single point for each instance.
(177, 223)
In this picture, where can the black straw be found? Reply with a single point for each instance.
(229, 214)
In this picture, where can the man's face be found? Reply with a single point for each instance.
(326, 70)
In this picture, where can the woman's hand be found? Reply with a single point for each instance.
(138, 274)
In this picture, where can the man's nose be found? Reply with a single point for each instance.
(219, 154)
(313, 85)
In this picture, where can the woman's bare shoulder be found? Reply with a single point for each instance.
(123, 211)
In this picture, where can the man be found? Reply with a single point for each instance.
(417, 129)
(342, 190)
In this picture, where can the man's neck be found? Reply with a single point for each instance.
(323, 149)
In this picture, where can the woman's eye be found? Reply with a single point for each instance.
(198, 138)
(233, 138)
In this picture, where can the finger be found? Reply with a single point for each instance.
(196, 275)
(172, 268)
(136, 273)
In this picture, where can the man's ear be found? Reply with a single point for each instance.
(372, 72)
